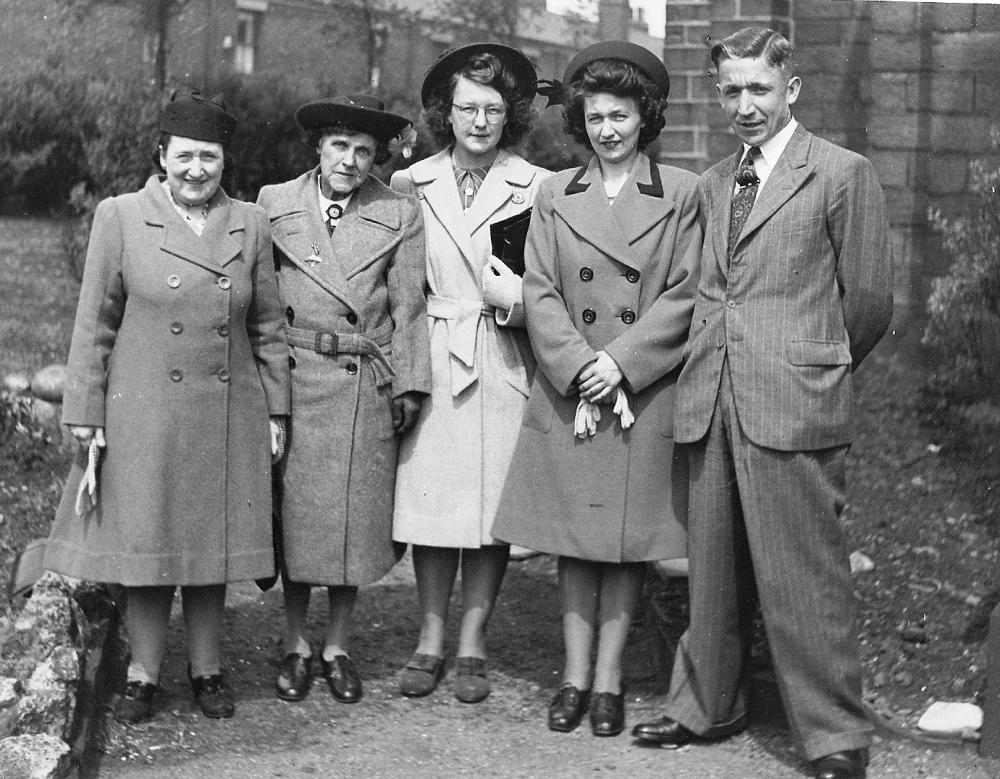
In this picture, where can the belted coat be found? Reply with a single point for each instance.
(453, 465)
(178, 352)
(622, 279)
(361, 286)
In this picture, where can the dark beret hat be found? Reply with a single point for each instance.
(189, 115)
(454, 59)
(642, 58)
(361, 113)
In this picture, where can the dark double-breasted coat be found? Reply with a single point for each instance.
(367, 278)
(178, 352)
(622, 279)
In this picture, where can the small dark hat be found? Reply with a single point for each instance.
(642, 58)
(454, 59)
(189, 115)
(361, 113)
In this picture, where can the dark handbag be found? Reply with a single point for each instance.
(27, 569)
(507, 238)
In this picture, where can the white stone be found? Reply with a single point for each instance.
(48, 382)
(861, 563)
(8, 692)
(951, 717)
(16, 383)
(34, 757)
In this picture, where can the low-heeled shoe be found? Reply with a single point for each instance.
(567, 708)
(421, 675)
(849, 764)
(471, 684)
(342, 678)
(294, 678)
(607, 713)
(213, 695)
(136, 703)
(664, 731)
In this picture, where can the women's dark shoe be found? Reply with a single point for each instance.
(607, 713)
(294, 678)
(213, 695)
(567, 708)
(136, 703)
(471, 683)
(342, 678)
(421, 675)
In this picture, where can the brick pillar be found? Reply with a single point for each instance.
(684, 141)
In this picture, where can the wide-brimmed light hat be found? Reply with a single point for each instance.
(361, 113)
(454, 59)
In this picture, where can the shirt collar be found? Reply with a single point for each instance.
(772, 148)
(325, 202)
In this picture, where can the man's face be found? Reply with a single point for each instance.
(756, 98)
(344, 161)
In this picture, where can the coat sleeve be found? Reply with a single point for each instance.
(562, 352)
(265, 326)
(653, 346)
(99, 314)
(407, 282)
(860, 236)
(402, 182)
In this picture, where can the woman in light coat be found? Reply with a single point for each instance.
(350, 259)
(477, 100)
(612, 260)
(178, 356)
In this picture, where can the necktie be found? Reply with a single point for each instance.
(746, 178)
(333, 214)
(469, 180)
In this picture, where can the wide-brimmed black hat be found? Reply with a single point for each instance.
(361, 113)
(454, 59)
(189, 115)
(642, 58)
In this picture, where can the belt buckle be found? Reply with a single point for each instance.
(325, 338)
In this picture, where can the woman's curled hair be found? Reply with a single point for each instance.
(622, 79)
(489, 71)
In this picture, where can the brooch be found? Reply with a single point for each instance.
(517, 197)
(314, 257)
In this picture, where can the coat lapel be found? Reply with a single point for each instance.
(435, 180)
(367, 231)
(179, 240)
(721, 189)
(508, 176)
(298, 230)
(641, 204)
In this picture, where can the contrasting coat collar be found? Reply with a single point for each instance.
(639, 206)
(435, 179)
(368, 228)
(219, 244)
(790, 173)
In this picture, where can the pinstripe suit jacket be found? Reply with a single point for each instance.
(806, 295)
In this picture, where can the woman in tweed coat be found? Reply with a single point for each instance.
(178, 356)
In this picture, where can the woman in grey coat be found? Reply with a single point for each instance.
(178, 357)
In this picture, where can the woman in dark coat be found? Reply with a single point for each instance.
(178, 356)
(612, 260)
(350, 259)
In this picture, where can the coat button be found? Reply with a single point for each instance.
(632, 276)
(731, 303)
(225, 282)
(352, 318)
(290, 315)
(223, 375)
(586, 274)
(589, 316)
(173, 281)
(176, 375)
(628, 316)
(352, 368)
(176, 328)
(223, 330)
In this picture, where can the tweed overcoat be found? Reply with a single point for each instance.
(452, 467)
(622, 279)
(338, 475)
(178, 352)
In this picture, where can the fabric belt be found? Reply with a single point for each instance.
(462, 316)
(368, 344)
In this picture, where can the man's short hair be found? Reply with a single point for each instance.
(763, 42)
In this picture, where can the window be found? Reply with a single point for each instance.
(247, 30)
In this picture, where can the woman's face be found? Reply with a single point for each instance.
(478, 115)
(194, 169)
(613, 125)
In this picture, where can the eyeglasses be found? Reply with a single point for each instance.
(469, 112)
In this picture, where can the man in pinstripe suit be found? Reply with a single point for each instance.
(788, 306)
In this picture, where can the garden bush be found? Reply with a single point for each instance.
(964, 305)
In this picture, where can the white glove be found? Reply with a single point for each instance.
(501, 286)
(86, 494)
(277, 438)
(587, 416)
(622, 409)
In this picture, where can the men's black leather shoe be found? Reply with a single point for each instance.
(567, 708)
(294, 678)
(664, 731)
(342, 678)
(849, 764)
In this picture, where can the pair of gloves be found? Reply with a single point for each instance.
(589, 414)
(501, 286)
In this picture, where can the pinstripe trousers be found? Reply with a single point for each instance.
(764, 526)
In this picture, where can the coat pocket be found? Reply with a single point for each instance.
(814, 352)
(541, 405)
